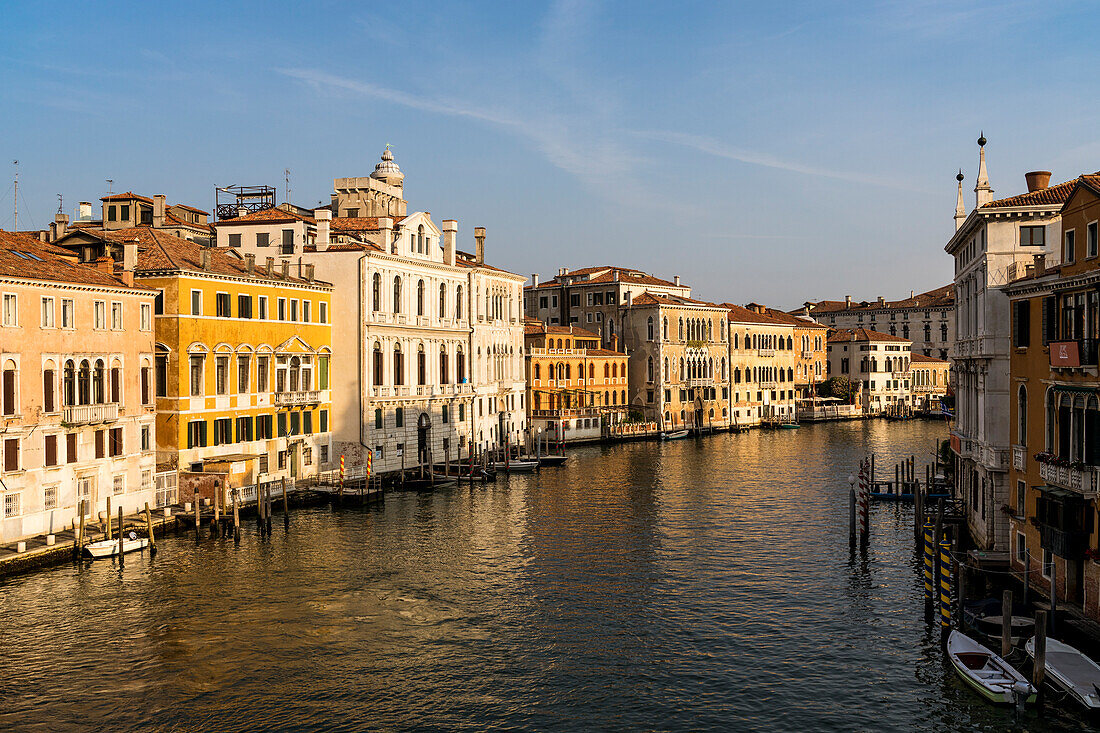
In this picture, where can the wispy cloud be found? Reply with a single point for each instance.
(719, 149)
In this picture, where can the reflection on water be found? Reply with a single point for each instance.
(684, 586)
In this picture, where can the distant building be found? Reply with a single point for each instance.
(926, 319)
(762, 359)
(1054, 414)
(575, 389)
(879, 364)
(811, 352)
(77, 401)
(930, 381)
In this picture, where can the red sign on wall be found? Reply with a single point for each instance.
(1065, 354)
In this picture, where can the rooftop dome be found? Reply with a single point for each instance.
(387, 171)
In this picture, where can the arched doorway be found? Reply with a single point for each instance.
(423, 438)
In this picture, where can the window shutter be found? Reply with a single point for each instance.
(11, 454)
(51, 450)
(1016, 324)
(116, 390)
(9, 391)
(1049, 319)
(70, 448)
(99, 444)
(145, 385)
(47, 390)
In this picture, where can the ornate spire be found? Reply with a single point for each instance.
(984, 194)
(960, 207)
(387, 171)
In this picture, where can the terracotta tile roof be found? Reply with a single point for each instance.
(192, 208)
(794, 320)
(606, 274)
(740, 314)
(940, 297)
(345, 247)
(159, 251)
(126, 197)
(358, 223)
(928, 359)
(1051, 196)
(271, 215)
(172, 219)
(846, 335)
(533, 327)
(28, 258)
(604, 352)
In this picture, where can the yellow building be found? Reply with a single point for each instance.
(931, 377)
(574, 388)
(242, 357)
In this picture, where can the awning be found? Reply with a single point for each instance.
(1055, 492)
(1075, 389)
(232, 457)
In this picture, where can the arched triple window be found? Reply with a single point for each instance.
(68, 383)
(99, 379)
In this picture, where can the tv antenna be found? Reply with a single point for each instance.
(15, 206)
(60, 204)
(286, 174)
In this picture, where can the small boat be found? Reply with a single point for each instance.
(987, 673)
(676, 435)
(516, 466)
(107, 548)
(788, 426)
(991, 626)
(1071, 670)
(552, 460)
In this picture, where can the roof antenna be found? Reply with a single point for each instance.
(15, 208)
(60, 203)
(286, 173)
(110, 183)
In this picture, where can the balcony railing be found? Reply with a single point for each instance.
(301, 397)
(1084, 480)
(769, 385)
(1019, 458)
(765, 352)
(1063, 543)
(84, 414)
(701, 382)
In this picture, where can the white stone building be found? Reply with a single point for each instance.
(878, 364)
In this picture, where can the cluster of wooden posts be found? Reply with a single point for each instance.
(223, 504)
(82, 536)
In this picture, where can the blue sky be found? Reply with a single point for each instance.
(773, 152)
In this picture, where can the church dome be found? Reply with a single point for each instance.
(387, 171)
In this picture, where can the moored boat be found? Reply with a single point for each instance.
(990, 675)
(788, 426)
(516, 466)
(107, 548)
(552, 460)
(1070, 670)
(675, 435)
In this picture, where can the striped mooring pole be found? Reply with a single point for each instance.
(945, 584)
(864, 499)
(929, 561)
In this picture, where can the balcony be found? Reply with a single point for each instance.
(700, 382)
(769, 385)
(1072, 354)
(1019, 458)
(302, 397)
(1063, 543)
(88, 414)
(1082, 480)
(765, 352)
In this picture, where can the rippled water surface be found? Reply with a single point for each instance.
(697, 584)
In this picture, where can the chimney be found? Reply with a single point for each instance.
(129, 255)
(534, 279)
(323, 217)
(270, 266)
(241, 211)
(450, 234)
(205, 259)
(676, 280)
(881, 301)
(106, 265)
(847, 302)
(250, 263)
(309, 272)
(385, 223)
(615, 275)
(479, 235)
(57, 228)
(85, 210)
(286, 269)
(912, 294)
(615, 342)
(1037, 180)
(1040, 265)
(158, 211)
(561, 271)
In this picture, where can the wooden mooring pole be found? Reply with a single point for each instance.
(121, 550)
(1006, 623)
(236, 517)
(852, 515)
(107, 535)
(149, 531)
(1039, 665)
(267, 509)
(79, 544)
(198, 515)
(286, 507)
(216, 527)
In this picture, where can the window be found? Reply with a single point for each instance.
(282, 309)
(146, 438)
(262, 239)
(244, 306)
(1048, 563)
(12, 505)
(261, 311)
(70, 448)
(324, 421)
(397, 295)
(293, 309)
(146, 317)
(1068, 252)
(223, 305)
(114, 443)
(420, 297)
(221, 375)
(51, 450)
(11, 454)
(322, 312)
(288, 242)
(1090, 240)
(10, 405)
(295, 423)
(118, 484)
(281, 424)
(305, 311)
(242, 374)
(1032, 236)
(234, 240)
(244, 429)
(67, 316)
(442, 300)
(49, 497)
(263, 429)
(1021, 545)
(196, 302)
(100, 315)
(196, 375)
(124, 212)
(378, 418)
(223, 431)
(47, 313)
(399, 417)
(112, 214)
(322, 372)
(376, 292)
(307, 422)
(116, 316)
(1021, 323)
(261, 373)
(649, 328)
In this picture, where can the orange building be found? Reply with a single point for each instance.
(574, 388)
(1055, 415)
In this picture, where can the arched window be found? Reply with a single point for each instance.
(1051, 418)
(1021, 416)
(444, 371)
(790, 343)
(377, 364)
(622, 397)
(460, 366)
(458, 302)
(591, 371)
(649, 328)
(664, 329)
(614, 371)
(99, 378)
(649, 366)
(613, 400)
(397, 295)
(442, 300)
(568, 372)
(419, 297)
(377, 292)
(421, 366)
(680, 335)
(398, 365)
(69, 383)
(665, 372)
(537, 371)
(606, 370)
(420, 239)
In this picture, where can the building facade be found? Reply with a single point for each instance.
(878, 365)
(1055, 415)
(930, 382)
(994, 244)
(76, 359)
(575, 390)
(762, 365)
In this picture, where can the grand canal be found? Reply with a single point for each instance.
(700, 584)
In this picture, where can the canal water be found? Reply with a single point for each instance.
(692, 585)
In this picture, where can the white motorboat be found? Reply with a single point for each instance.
(1071, 671)
(516, 466)
(677, 435)
(990, 675)
(107, 548)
